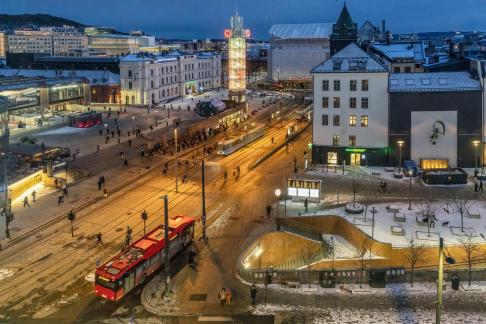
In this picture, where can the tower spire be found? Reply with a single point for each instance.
(237, 7)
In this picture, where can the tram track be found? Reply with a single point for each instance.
(121, 220)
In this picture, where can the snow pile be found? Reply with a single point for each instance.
(63, 131)
(5, 273)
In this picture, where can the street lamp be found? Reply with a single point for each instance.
(400, 143)
(410, 190)
(133, 124)
(278, 193)
(476, 143)
(156, 118)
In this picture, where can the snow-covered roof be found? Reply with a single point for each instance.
(95, 77)
(299, 31)
(434, 81)
(350, 59)
(24, 83)
(142, 57)
(407, 50)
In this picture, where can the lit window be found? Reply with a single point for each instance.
(336, 140)
(352, 120)
(352, 140)
(364, 121)
(332, 157)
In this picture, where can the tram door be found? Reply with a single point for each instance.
(129, 282)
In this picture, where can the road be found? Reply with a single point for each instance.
(48, 268)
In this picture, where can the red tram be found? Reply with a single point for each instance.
(134, 264)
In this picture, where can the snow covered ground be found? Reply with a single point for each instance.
(384, 220)
(63, 131)
(314, 315)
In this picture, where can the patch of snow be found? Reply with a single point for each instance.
(63, 131)
(5, 273)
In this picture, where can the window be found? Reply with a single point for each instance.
(325, 85)
(129, 73)
(336, 65)
(442, 81)
(335, 140)
(335, 120)
(364, 121)
(336, 102)
(425, 81)
(364, 103)
(331, 158)
(151, 84)
(152, 72)
(325, 102)
(352, 120)
(352, 140)
(352, 102)
(364, 85)
(408, 69)
(352, 85)
(337, 85)
(130, 86)
(396, 69)
(325, 120)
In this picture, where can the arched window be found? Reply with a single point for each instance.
(130, 86)
(129, 73)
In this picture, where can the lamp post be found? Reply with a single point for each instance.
(476, 144)
(410, 190)
(133, 124)
(156, 119)
(278, 193)
(166, 247)
(176, 161)
(400, 143)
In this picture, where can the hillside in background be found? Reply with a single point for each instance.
(37, 20)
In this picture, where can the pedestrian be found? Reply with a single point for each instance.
(269, 210)
(65, 191)
(119, 133)
(26, 202)
(129, 142)
(272, 139)
(228, 297)
(112, 133)
(306, 204)
(295, 170)
(225, 179)
(98, 239)
(103, 180)
(33, 195)
(99, 184)
(381, 186)
(126, 163)
(480, 186)
(384, 187)
(105, 193)
(222, 296)
(475, 186)
(253, 293)
(60, 198)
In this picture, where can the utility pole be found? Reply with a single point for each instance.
(439, 281)
(166, 248)
(373, 212)
(203, 217)
(176, 161)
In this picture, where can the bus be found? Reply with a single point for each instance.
(232, 145)
(134, 264)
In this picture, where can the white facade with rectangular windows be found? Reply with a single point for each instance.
(148, 79)
(350, 109)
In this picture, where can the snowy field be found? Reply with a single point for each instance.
(314, 315)
(447, 224)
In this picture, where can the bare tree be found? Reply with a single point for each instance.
(428, 208)
(309, 256)
(461, 206)
(415, 254)
(369, 196)
(472, 252)
(361, 250)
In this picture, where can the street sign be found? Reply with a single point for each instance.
(304, 188)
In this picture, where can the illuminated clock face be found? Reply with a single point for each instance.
(228, 33)
(247, 33)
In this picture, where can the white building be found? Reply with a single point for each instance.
(350, 109)
(51, 40)
(295, 49)
(148, 79)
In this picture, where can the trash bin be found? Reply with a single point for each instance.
(455, 282)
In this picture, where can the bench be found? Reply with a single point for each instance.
(397, 230)
(399, 218)
(393, 209)
(473, 214)
(421, 222)
(375, 174)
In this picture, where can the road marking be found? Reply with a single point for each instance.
(214, 319)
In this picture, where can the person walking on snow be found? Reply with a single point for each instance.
(33, 195)
(253, 293)
(306, 204)
(26, 201)
(228, 297)
(98, 239)
(60, 199)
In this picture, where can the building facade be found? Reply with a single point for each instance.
(49, 40)
(350, 109)
(437, 117)
(237, 36)
(119, 45)
(149, 80)
(295, 49)
(3, 45)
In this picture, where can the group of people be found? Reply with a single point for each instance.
(225, 296)
(26, 199)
